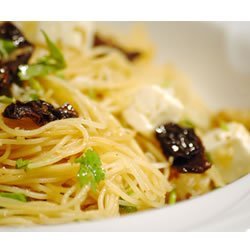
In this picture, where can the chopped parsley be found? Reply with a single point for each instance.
(209, 157)
(6, 47)
(15, 196)
(172, 197)
(130, 191)
(187, 123)
(60, 74)
(45, 65)
(127, 209)
(34, 97)
(26, 93)
(92, 93)
(166, 84)
(20, 163)
(224, 126)
(34, 84)
(90, 172)
(6, 100)
(36, 90)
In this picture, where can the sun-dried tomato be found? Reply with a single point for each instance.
(5, 80)
(9, 66)
(67, 111)
(184, 146)
(40, 112)
(9, 31)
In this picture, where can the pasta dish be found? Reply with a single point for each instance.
(92, 127)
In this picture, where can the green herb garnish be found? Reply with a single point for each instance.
(127, 209)
(55, 55)
(15, 196)
(166, 84)
(60, 74)
(6, 99)
(209, 157)
(92, 93)
(90, 171)
(6, 47)
(45, 65)
(186, 123)
(130, 191)
(224, 126)
(34, 97)
(172, 197)
(36, 90)
(34, 84)
(21, 163)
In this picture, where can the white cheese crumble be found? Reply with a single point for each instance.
(151, 107)
(230, 150)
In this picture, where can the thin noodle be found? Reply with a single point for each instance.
(136, 172)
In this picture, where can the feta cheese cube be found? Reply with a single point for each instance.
(151, 107)
(230, 150)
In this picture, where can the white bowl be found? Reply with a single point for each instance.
(225, 209)
(200, 50)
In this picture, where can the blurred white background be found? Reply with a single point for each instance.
(214, 55)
